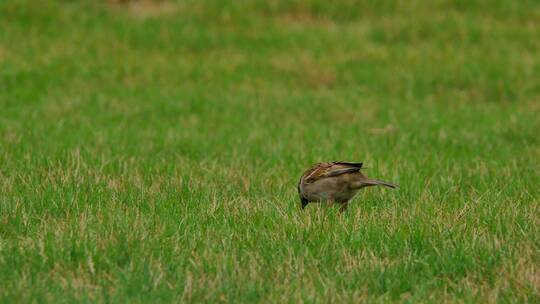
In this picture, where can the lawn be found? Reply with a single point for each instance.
(150, 151)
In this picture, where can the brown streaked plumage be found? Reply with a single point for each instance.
(334, 182)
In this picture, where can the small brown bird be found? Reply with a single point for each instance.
(334, 182)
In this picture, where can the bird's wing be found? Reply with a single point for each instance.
(359, 165)
(323, 170)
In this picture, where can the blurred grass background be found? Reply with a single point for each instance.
(150, 150)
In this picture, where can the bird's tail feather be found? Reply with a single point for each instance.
(376, 182)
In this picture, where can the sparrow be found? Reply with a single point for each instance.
(334, 182)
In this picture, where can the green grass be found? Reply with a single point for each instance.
(149, 152)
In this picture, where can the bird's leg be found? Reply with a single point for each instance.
(343, 207)
(330, 202)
